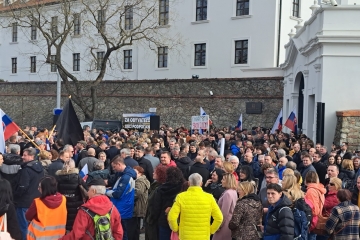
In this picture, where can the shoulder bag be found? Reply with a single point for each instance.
(4, 235)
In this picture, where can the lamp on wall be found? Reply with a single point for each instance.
(195, 76)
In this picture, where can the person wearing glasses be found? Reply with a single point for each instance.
(271, 176)
(331, 199)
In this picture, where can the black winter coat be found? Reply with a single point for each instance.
(148, 168)
(163, 198)
(321, 170)
(346, 174)
(12, 222)
(215, 189)
(55, 166)
(183, 164)
(201, 169)
(10, 168)
(280, 220)
(112, 152)
(151, 230)
(29, 178)
(68, 185)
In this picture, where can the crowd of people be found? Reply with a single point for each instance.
(174, 184)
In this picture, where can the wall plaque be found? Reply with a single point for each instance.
(253, 107)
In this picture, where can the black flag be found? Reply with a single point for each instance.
(68, 126)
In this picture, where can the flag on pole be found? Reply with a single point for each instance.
(68, 126)
(240, 123)
(84, 172)
(2, 139)
(9, 127)
(278, 123)
(48, 144)
(291, 122)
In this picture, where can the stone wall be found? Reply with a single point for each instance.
(176, 100)
(348, 128)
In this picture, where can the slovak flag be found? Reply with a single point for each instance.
(202, 112)
(278, 123)
(291, 122)
(9, 127)
(84, 172)
(240, 123)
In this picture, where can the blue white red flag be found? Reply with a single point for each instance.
(291, 122)
(84, 172)
(278, 123)
(2, 139)
(9, 127)
(240, 123)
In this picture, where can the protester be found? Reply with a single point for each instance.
(227, 204)
(331, 199)
(26, 190)
(214, 184)
(58, 164)
(247, 175)
(102, 157)
(122, 191)
(69, 182)
(194, 220)
(279, 222)
(344, 219)
(99, 172)
(47, 214)
(247, 214)
(355, 198)
(144, 163)
(7, 208)
(150, 155)
(315, 195)
(164, 198)
(151, 229)
(11, 165)
(184, 163)
(229, 168)
(291, 188)
(271, 176)
(142, 186)
(97, 205)
(89, 160)
(199, 167)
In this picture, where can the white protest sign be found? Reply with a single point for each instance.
(200, 122)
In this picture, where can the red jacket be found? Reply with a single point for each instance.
(330, 201)
(83, 222)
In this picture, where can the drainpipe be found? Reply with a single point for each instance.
(279, 34)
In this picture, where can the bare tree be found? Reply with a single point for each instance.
(106, 25)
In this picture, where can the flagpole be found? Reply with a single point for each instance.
(52, 130)
(32, 141)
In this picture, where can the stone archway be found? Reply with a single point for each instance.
(299, 88)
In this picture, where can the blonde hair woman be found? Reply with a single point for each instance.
(331, 199)
(229, 168)
(247, 214)
(347, 172)
(227, 204)
(291, 188)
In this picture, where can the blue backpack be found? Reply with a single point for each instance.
(302, 219)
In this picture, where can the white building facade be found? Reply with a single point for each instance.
(219, 39)
(322, 67)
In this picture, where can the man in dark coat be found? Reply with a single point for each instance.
(200, 168)
(297, 156)
(113, 150)
(129, 161)
(144, 163)
(184, 163)
(26, 190)
(12, 165)
(320, 167)
(58, 163)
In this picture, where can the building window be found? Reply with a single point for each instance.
(77, 24)
(296, 10)
(33, 64)
(163, 12)
(242, 7)
(101, 21)
(127, 59)
(241, 52)
(14, 65)
(201, 10)
(99, 60)
(53, 67)
(33, 34)
(200, 54)
(76, 62)
(162, 57)
(129, 17)
(54, 27)
(14, 32)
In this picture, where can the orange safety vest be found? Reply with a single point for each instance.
(1, 218)
(51, 224)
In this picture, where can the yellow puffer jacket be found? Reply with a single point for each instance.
(195, 208)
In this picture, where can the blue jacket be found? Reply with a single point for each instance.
(123, 192)
(234, 149)
(280, 171)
